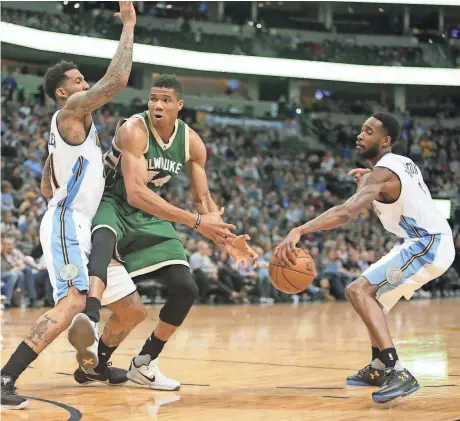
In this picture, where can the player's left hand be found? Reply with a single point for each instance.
(241, 252)
(285, 253)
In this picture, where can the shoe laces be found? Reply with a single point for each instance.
(364, 370)
(391, 375)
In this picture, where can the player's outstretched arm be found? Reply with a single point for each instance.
(204, 203)
(131, 138)
(117, 75)
(368, 190)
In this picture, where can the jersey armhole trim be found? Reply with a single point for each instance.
(400, 183)
(53, 173)
(187, 142)
(63, 138)
(140, 117)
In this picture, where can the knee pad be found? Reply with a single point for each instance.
(103, 243)
(182, 291)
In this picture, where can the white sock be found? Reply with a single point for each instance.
(399, 366)
(142, 360)
(377, 363)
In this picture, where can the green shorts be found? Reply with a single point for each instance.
(145, 243)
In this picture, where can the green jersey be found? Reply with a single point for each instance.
(145, 243)
(163, 160)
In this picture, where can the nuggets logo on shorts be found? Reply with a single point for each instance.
(69, 272)
(394, 275)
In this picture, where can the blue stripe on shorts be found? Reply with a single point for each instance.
(405, 264)
(66, 250)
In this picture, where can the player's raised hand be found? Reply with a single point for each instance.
(212, 227)
(241, 252)
(285, 254)
(358, 173)
(127, 14)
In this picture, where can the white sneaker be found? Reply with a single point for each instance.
(151, 375)
(84, 337)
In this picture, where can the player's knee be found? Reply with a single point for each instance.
(188, 288)
(357, 289)
(136, 314)
(103, 243)
(353, 291)
(73, 303)
(182, 283)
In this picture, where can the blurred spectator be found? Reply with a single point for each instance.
(22, 265)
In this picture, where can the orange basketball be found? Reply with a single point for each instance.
(294, 278)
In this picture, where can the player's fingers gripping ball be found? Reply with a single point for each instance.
(294, 278)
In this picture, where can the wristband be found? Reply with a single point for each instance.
(198, 221)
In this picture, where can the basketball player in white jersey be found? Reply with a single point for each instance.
(77, 184)
(403, 203)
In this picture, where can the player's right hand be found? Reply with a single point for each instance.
(127, 14)
(358, 173)
(212, 227)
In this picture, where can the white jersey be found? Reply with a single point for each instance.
(414, 214)
(77, 172)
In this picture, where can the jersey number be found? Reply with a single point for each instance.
(52, 140)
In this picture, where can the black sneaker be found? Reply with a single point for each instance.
(10, 399)
(110, 375)
(397, 383)
(367, 376)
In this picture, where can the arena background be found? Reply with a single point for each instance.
(278, 91)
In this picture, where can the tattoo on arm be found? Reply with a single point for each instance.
(45, 186)
(114, 81)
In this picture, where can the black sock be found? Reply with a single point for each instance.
(104, 353)
(389, 357)
(19, 361)
(375, 353)
(93, 309)
(153, 346)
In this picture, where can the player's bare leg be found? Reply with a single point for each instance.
(127, 313)
(397, 381)
(47, 327)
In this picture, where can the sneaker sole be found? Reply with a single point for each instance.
(388, 398)
(16, 407)
(81, 337)
(100, 382)
(134, 379)
(356, 383)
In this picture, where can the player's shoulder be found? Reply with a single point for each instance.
(394, 160)
(131, 132)
(132, 125)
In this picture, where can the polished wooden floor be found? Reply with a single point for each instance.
(248, 363)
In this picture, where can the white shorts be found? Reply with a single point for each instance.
(65, 236)
(409, 266)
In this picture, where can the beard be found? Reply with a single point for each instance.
(369, 153)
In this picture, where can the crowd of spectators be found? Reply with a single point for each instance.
(183, 33)
(267, 184)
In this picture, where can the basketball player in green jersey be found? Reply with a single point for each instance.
(133, 226)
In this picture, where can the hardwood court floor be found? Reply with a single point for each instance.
(249, 363)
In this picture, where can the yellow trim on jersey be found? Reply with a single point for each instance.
(164, 146)
(187, 142)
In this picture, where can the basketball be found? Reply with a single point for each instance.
(295, 278)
